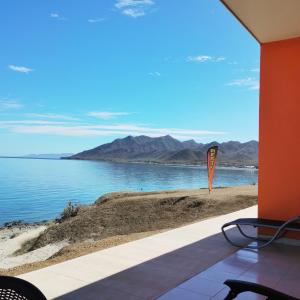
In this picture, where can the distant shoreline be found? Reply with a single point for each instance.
(141, 162)
(202, 165)
(24, 157)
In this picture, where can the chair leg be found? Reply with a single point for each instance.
(229, 241)
(231, 295)
(266, 243)
(248, 236)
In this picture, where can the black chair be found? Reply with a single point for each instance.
(280, 226)
(13, 288)
(238, 286)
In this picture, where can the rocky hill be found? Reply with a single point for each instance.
(166, 149)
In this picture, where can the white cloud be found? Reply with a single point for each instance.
(98, 20)
(137, 129)
(199, 58)
(6, 104)
(218, 59)
(106, 115)
(52, 116)
(205, 58)
(249, 82)
(255, 70)
(58, 130)
(29, 122)
(57, 16)
(105, 130)
(133, 12)
(134, 8)
(155, 74)
(20, 69)
(54, 15)
(125, 3)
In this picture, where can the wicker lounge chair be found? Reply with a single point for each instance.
(280, 226)
(12, 288)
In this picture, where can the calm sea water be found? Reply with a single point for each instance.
(39, 189)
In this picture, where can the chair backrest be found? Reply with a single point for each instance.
(13, 288)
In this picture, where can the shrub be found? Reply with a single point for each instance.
(70, 211)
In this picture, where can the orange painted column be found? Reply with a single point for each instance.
(279, 130)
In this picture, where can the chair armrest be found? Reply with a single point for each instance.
(239, 286)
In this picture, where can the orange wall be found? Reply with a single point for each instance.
(279, 130)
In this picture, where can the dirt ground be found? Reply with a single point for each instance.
(121, 217)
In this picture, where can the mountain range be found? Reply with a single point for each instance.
(48, 156)
(40, 156)
(168, 150)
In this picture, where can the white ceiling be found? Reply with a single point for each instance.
(268, 20)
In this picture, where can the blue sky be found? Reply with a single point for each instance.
(76, 74)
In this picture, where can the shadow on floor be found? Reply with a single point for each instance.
(151, 279)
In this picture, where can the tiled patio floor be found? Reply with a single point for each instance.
(277, 266)
(142, 269)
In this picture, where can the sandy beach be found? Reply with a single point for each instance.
(114, 219)
(12, 240)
